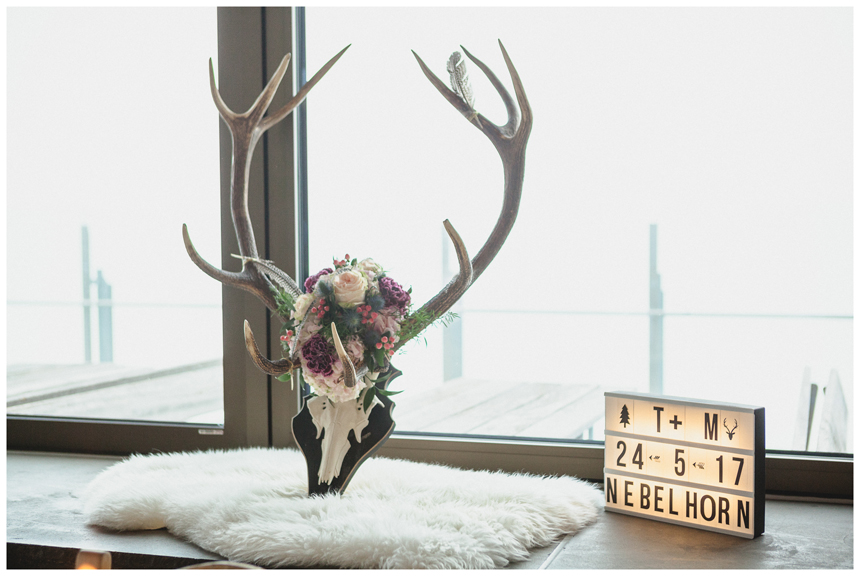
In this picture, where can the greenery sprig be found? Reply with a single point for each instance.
(372, 392)
(418, 323)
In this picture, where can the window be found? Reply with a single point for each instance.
(685, 224)
(131, 141)
(112, 204)
(741, 158)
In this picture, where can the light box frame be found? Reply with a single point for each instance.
(618, 477)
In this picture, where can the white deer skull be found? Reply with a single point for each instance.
(337, 419)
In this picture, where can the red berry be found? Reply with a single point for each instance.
(379, 345)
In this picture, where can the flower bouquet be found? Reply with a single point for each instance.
(342, 332)
(360, 304)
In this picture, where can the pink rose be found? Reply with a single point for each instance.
(387, 321)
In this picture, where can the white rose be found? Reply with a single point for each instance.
(369, 267)
(349, 288)
(302, 304)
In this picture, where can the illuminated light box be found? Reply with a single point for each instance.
(685, 462)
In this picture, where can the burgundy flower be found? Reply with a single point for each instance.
(311, 282)
(317, 355)
(394, 294)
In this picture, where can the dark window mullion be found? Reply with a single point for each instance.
(302, 151)
(277, 24)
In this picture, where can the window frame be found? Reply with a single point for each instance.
(251, 42)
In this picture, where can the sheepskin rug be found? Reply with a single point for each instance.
(252, 506)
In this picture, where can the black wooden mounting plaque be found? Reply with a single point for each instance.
(379, 428)
(686, 462)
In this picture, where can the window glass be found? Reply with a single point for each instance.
(685, 226)
(112, 146)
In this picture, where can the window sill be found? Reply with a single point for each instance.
(45, 526)
(45, 529)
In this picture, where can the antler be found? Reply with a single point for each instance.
(510, 142)
(260, 276)
(257, 276)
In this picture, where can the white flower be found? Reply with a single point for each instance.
(370, 268)
(354, 349)
(330, 387)
(310, 327)
(349, 288)
(302, 304)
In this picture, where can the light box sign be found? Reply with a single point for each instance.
(685, 462)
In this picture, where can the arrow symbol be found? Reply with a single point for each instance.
(654, 458)
(699, 465)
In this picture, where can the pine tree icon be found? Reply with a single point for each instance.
(625, 416)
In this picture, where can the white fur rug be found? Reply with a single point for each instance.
(252, 506)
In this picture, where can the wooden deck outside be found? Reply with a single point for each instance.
(522, 409)
(190, 393)
(193, 394)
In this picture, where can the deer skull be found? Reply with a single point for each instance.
(336, 419)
